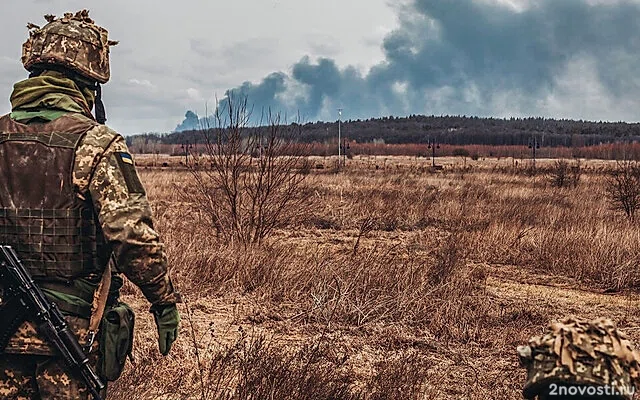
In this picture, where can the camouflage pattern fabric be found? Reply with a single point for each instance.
(125, 216)
(27, 341)
(38, 377)
(105, 171)
(74, 34)
(580, 352)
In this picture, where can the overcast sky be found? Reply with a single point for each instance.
(575, 59)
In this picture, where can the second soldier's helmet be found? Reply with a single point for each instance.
(73, 42)
(581, 353)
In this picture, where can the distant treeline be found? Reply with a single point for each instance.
(452, 130)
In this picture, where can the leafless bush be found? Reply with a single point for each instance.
(576, 172)
(559, 174)
(367, 224)
(563, 174)
(250, 181)
(623, 188)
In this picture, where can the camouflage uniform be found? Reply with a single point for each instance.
(32, 376)
(103, 176)
(585, 356)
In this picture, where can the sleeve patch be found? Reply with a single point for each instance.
(126, 158)
(125, 163)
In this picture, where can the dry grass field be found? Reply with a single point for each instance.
(394, 282)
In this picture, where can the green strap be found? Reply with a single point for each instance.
(24, 116)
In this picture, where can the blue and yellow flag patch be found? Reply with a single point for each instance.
(126, 158)
(126, 166)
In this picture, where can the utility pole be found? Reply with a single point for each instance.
(186, 147)
(533, 145)
(433, 145)
(339, 133)
(345, 147)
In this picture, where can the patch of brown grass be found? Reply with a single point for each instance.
(385, 289)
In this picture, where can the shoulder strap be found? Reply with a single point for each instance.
(99, 303)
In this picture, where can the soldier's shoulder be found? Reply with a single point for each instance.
(91, 150)
(100, 136)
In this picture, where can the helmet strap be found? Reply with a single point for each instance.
(101, 115)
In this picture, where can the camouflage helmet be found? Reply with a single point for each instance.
(582, 353)
(73, 42)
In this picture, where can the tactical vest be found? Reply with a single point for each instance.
(42, 214)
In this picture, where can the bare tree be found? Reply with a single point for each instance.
(576, 172)
(249, 181)
(623, 188)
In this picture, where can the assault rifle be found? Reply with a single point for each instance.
(25, 301)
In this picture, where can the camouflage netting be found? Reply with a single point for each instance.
(580, 352)
(74, 42)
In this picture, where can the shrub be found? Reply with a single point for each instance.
(562, 174)
(559, 174)
(623, 188)
(460, 152)
(252, 182)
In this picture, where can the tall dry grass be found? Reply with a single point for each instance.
(397, 257)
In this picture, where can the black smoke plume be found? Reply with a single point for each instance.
(474, 58)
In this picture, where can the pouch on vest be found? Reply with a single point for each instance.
(117, 340)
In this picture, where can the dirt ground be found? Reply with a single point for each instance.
(469, 371)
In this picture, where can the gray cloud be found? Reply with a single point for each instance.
(466, 57)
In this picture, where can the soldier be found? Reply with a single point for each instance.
(71, 200)
(580, 359)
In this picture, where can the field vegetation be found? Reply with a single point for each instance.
(390, 280)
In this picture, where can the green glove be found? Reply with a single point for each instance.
(167, 320)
